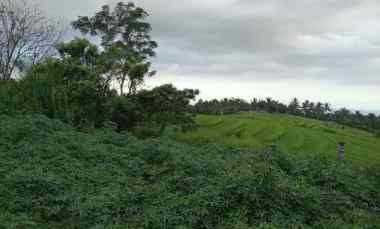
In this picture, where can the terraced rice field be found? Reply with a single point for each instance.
(296, 136)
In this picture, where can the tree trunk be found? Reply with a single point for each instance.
(121, 89)
(122, 82)
(132, 88)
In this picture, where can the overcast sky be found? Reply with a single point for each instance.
(311, 49)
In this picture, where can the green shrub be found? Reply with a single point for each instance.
(60, 90)
(10, 100)
(126, 113)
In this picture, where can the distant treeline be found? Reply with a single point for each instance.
(316, 110)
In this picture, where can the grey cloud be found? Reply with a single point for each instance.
(334, 40)
(269, 30)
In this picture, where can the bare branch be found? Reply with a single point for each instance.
(26, 35)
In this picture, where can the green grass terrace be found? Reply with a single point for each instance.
(299, 137)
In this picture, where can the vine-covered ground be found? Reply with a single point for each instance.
(52, 176)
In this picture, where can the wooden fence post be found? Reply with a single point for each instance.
(341, 151)
(272, 149)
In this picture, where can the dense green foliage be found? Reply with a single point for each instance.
(300, 137)
(318, 110)
(52, 176)
(149, 112)
(69, 88)
(83, 102)
(77, 85)
(72, 88)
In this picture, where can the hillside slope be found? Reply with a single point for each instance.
(297, 136)
(52, 176)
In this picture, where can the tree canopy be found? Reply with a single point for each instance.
(125, 37)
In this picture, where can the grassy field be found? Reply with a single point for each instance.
(297, 136)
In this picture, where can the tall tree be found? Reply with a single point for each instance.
(26, 36)
(306, 108)
(318, 111)
(326, 108)
(294, 107)
(125, 37)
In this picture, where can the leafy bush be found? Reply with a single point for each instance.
(10, 100)
(71, 88)
(52, 176)
(149, 112)
(126, 112)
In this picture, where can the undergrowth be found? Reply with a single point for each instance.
(52, 176)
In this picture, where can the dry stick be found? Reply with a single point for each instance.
(341, 151)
